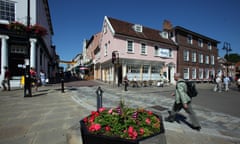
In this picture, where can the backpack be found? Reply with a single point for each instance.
(191, 89)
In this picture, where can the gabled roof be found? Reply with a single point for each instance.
(125, 28)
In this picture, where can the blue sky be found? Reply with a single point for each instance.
(76, 20)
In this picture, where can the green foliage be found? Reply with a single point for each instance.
(233, 57)
(123, 122)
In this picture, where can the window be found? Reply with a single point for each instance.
(207, 73)
(145, 69)
(212, 60)
(138, 28)
(130, 46)
(133, 69)
(143, 49)
(194, 73)
(186, 73)
(200, 58)
(200, 73)
(209, 46)
(200, 42)
(186, 55)
(105, 49)
(105, 28)
(7, 10)
(189, 39)
(194, 57)
(156, 50)
(155, 69)
(207, 59)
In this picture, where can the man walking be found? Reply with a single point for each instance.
(182, 100)
(6, 79)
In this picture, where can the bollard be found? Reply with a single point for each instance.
(99, 92)
(27, 82)
(62, 83)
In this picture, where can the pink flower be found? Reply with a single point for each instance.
(110, 111)
(141, 130)
(94, 127)
(101, 109)
(148, 121)
(132, 133)
(107, 128)
(149, 112)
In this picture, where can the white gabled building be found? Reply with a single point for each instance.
(26, 33)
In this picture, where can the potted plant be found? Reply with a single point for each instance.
(121, 125)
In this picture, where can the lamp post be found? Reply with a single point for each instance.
(27, 76)
(227, 47)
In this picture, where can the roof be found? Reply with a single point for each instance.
(194, 33)
(125, 28)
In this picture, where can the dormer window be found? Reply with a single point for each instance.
(138, 28)
(164, 34)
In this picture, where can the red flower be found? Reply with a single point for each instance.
(94, 127)
(85, 119)
(132, 133)
(101, 109)
(148, 121)
(107, 128)
(149, 112)
(141, 131)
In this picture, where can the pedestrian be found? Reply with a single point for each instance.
(226, 81)
(135, 84)
(218, 86)
(42, 76)
(34, 79)
(125, 80)
(182, 100)
(6, 80)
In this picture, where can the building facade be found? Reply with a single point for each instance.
(197, 57)
(133, 50)
(26, 36)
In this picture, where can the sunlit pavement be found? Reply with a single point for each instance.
(51, 116)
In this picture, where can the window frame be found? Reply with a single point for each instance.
(130, 49)
(8, 12)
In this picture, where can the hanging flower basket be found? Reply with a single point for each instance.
(34, 29)
(121, 126)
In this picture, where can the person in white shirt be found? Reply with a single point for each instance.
(226, 81)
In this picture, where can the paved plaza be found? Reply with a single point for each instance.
(51, 116)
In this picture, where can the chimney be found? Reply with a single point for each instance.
(167, 25)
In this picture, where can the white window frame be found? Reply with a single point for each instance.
(194, 73)
(105, 49)
(207, 59)
(200, 73)
(186, 73)
(194, 56)
(186, 55)
(8, 12)
(209, 46)
(207, 73)
(212, 60)
(200, 58)
(189, 39)
(200, 43)
(130, 49)
(143, 48)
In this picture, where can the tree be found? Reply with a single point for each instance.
(233, 57)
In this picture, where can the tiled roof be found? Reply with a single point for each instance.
(125, 28)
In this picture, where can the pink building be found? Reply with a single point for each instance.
(139, 51)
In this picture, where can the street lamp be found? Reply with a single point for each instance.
(227, 47)
(27, 76)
